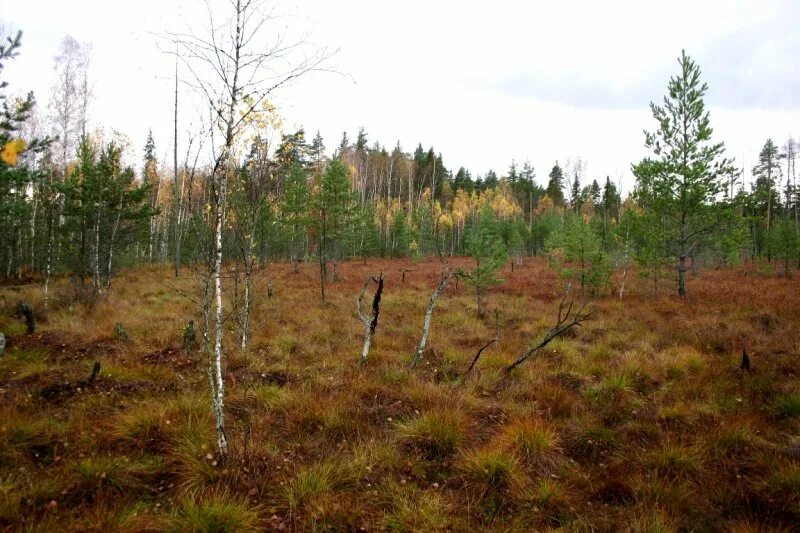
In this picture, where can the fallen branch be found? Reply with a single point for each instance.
(370, 321)
(494, 340)
(426, 324)
(563, 324)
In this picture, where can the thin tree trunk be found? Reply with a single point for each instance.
(96, 253)
(248, 275)
(176, 192)
(426, 323)
(111, 245)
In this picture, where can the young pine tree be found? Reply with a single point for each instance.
(332, 211)
(485, 245)
(681, 182)
(295, 213)
(576, 252)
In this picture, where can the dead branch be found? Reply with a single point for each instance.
(370, 321)
(566, 320)
(494, 340)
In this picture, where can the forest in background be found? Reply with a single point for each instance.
(72, 205)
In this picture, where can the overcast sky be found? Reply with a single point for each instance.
(483, 82)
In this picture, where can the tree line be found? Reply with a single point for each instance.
(71, 205)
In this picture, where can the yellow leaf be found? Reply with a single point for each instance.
(11, 150)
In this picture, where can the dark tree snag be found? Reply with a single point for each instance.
(376, 303)
(24, 311)
(745, 361)
(370, 321)
(426, 324)
(403, 273)
(494, 340)
(95, 372)
(566, 320)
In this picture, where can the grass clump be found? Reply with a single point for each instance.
(530, 438)
(491, 468)
(318, 480)
(414, 509)
(674, 461)
(435, 433)
(142, 428)
(219, 512)
(787, 405)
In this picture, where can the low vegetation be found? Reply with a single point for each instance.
(640, 419)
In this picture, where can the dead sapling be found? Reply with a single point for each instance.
(567, 319)
(370, 321)
(485, 346)
(745, 366)
(25, 312)
(426, 323)
(403, 274)
(93, 376)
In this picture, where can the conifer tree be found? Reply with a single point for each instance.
(681, 182)
(295, 212)
(333, 207)
(485, 245)
(555, 186)
(765, 193)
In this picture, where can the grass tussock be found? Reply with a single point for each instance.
(436, 433)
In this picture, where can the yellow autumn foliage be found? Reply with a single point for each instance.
(11, 151)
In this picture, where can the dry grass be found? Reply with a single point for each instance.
(638, 421)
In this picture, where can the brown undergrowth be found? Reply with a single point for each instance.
(640, 420)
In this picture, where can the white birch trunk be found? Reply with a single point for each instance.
(218, 385)
(426, 324)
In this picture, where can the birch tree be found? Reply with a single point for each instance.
(235, 65)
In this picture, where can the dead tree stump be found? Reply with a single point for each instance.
(25, 312)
